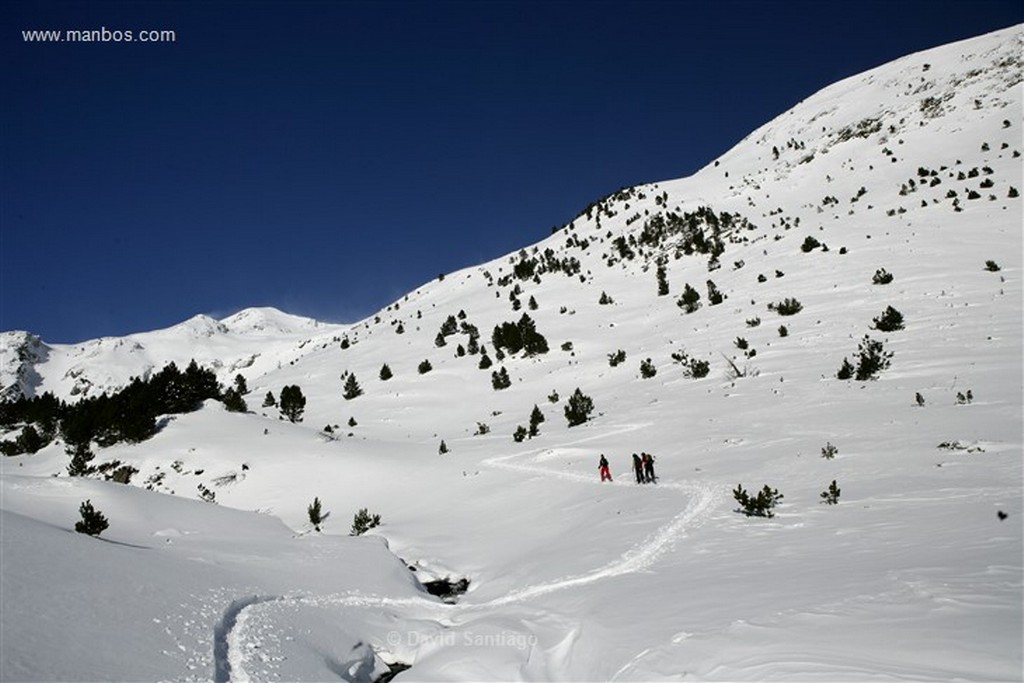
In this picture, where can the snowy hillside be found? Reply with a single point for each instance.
(912, 170)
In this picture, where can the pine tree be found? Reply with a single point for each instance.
(891, 320)
(240, 385)
(293, 403)
(872, 359)
(93, 522)
(80, 458)
(233, 401)
(715, 297)
(268, 400)
(352, 388)
(500, 379)
(690, 300)
(424, 367)
(578, 409)
(363, 521)
(536, 417)
(315, 514)
(845, 370)
(385, 373)
(662, 280)
(831, 495)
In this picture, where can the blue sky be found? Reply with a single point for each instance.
(327, 157)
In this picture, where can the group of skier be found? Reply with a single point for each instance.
(643, 467)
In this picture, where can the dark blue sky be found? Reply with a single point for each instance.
(328, 157)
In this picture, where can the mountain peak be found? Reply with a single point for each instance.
(266, 320)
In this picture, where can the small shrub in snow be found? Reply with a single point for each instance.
(783, 331)
(579, 408)
(662, 280)
(692, 367)
(443, 448)
(809, 245)
(690, 299)
(741, 343)
(269, 401)
(363, 521)
(500, 379)
(788, 306)
(872, 358)
(520, 434)
(992, 266)
(831, 495)
(616, 358)
(425, 367)
(481, 428)
(845, 370)
(647, 369)
(881, 277)
(315, 513)
(753, 322)
(536, 418)
(93, 522)
(715, 296)
(829, 451)
(890, 321)
(964, 399)
(553, 397)
(761, 505)
(605, 299)
(385, 373)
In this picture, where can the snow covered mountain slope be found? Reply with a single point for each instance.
(229, 346)
(913, 169)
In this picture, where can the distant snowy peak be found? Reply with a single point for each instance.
(251, 340)
(268, 321)
(200, 326)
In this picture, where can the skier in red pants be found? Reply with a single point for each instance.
(603, 466)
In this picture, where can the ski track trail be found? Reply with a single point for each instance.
(231, 632)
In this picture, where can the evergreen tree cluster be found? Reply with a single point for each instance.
(519, 336)
(128, 415)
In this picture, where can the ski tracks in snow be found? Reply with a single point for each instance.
(701, 500)
(231, 633)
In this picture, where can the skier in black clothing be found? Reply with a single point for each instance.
(638, 467)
